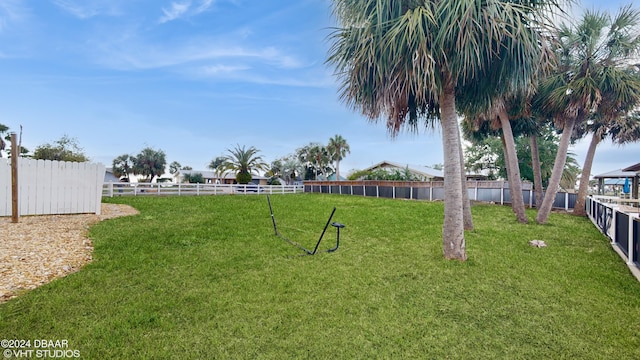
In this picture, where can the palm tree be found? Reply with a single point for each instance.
(404, 60)
(216, 166)
(621, 130)
(243, 161)
(595, 57)
(319, 157)
(498, 118)
(338, 149)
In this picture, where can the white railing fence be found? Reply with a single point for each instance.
(621, 227)
(52, 187)
(111, 189)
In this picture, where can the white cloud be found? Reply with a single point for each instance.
(85, 9)
(175, 12)
(223, 69)
(11, 11)
(184, 9)
(126, 54)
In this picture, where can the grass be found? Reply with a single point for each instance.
(205, 277)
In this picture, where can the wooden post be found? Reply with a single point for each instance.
(15, 214)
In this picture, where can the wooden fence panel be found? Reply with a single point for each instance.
(52, 187)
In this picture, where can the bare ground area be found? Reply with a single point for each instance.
(39, 249)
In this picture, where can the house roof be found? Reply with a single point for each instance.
(634, 168)
(616, 174)
(418, 169)
(212, 175)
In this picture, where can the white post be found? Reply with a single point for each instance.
(198, 189)
(566, 201)
(475, 194)
(612, 226)
(630, 241)
(530, 198)
(377, 191)
(110, 189)
(394, 190)
(431, 191)
(502, 194)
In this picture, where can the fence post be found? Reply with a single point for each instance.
(502, 194)
(431, 191)
(377, 191)
(566, 201)
(15, 215)
(475, 193)
(394, 190)
(530, 198)
(630, 241)
(110, 188)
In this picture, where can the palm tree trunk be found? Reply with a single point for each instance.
(337, 170)
(556, 175)
(515, 182)
(453, 228)
(537, 172)
(466, 202)
(579, 208)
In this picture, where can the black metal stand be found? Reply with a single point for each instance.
(337, 225)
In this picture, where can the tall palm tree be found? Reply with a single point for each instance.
(621, 130)
(498, 117)
(338, 149)
(595, 55)
(404, 60)
(242, 161)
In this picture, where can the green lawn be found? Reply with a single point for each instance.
(205, 277)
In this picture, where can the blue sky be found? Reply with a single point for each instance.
(194, 78)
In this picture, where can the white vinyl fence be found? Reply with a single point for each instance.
(52, 187)
(111, 189)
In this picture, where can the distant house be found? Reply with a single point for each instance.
(211, 177)
(423, 173)
(110, 177)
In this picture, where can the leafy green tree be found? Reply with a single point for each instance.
(64, 149)
(338, 148)
(315, 159)
(405, 60)
(149, 163)
(193, 178)
(486, 154)
(174, 167)
(3, 144)
(596, 56)
(243, 161)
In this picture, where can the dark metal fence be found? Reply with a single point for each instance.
(488, 191)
